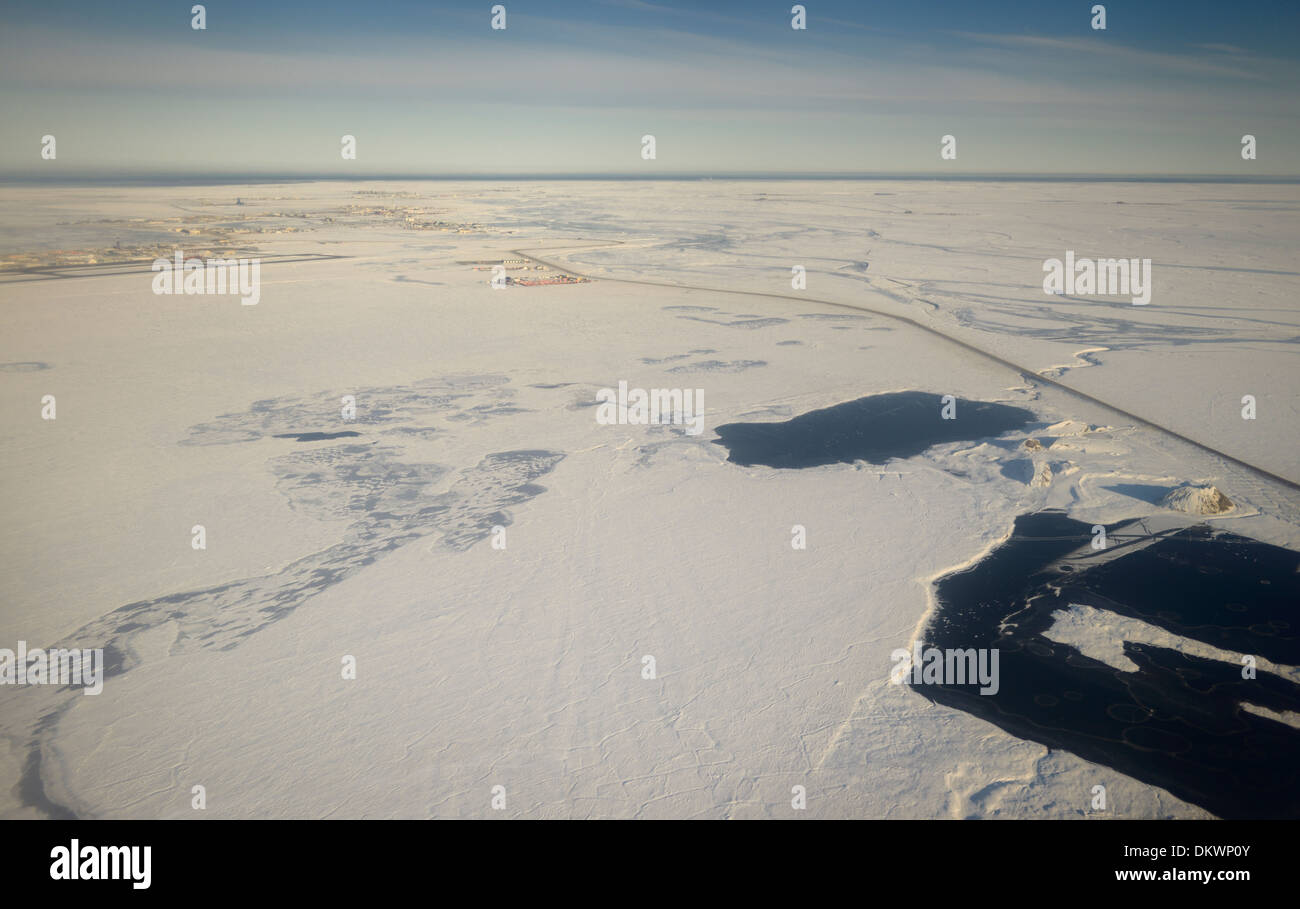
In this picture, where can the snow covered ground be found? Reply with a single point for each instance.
(516, 657)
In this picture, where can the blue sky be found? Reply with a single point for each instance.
(1025, 86)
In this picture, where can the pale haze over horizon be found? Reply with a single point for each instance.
(570, 88)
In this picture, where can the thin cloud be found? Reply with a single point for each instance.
(1221, 48)
(1174, 63)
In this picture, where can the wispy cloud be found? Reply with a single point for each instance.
(1136, 57)
(1221, 48)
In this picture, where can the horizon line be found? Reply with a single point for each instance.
(174, 178)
